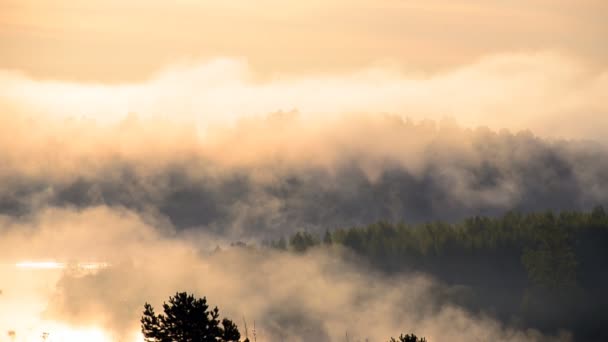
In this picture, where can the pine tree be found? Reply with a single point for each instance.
(408, 338)
(327, 238)
(187, 319)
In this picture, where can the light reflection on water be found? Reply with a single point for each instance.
(25, 288)
(57, 332)
(55, 265)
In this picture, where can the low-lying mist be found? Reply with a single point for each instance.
(317, 296)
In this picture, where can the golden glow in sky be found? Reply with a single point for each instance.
(118, 41)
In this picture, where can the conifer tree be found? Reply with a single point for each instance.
(187, 319)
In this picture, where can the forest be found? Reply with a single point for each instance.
(541, 270)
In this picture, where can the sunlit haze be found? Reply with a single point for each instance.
(319, 170)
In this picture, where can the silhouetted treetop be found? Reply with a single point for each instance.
(408, 338)
(187, 319)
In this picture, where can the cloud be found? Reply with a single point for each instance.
(201, 150)
(551, 94)
(264, 177)
(318, 296)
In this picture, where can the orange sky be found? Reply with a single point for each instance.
(118, 41)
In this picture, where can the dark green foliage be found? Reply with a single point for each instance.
(550, 261)
(408, 338)
(187, 319)
(301, 241)
(539, 270)
(327, 238)
(282, 244)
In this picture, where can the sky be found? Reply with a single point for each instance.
(126, 41)
(520, 65)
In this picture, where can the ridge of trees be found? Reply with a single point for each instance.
(542, 270)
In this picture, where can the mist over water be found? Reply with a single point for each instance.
(317, 296)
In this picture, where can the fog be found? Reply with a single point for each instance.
(149, 178)
(551, 93)
(270, 176)
(153, 199)
(319, 296)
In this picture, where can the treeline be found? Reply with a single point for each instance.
(541, 270)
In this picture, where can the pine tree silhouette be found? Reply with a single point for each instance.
(187, 319)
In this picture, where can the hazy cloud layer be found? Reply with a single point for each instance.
(312, 297)
(269, 177)
(201, 150)
(551, 94)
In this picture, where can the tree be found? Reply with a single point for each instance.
(280, 245)
(408, 338)
(551, 263)
(302, 241)
(327, 238)
(187, 319)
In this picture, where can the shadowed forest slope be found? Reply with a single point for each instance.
(541, 270)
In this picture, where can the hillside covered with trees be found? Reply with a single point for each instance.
(541, 270)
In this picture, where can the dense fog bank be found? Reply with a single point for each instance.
(263, 178)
